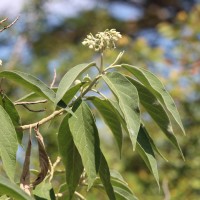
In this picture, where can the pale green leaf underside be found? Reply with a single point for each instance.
(152, 83)
(128, 99)
(8, 144)
(156, 111)
(86, 139)
(69, 78)
(70, 157)
(12, 190)
(107, 111)
(30, 82)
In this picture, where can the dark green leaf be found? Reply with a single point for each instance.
(30, 82)
(12, 190)
(108, 113)
(152, 83)
(9, 107)
(70, 157)
(104, 174)
(157, 112)
(8, 143)
(127, 96)
(44, 191)
(69, 78)
(146, 152)
(86, 139)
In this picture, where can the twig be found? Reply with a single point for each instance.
(96, 91)
(31, 110)
(30, 102)
(53, 168)
(101, 63)
(3, 20)
(54, 79)
(61, 111)
(166, 191)
(42, 121)
(8, 26)
(79, 195)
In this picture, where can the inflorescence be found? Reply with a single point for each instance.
(102, 40)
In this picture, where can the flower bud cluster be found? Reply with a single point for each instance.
(102, 40)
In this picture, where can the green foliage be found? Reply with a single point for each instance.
(85, 165)
(8, 143)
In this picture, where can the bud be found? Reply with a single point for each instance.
(76, 82)
(102, 40)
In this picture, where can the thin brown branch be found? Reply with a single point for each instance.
(42, 121)
(166, 191)
(8, 26)
(3, 20)
(30, 102)
(58, 112)
(31, 110)
(54, 79)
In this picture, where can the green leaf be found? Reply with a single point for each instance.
(69, 78)
(108, 113)
(127, 96)
(122, 194)
(12, 190)
(104, 174)
(9, 107)
(69, 95)
(30, 82)
(70, 156)
(152, 83)
(8, 143)
(86, 139)
(146, 152)
(44, 191)
(156, 111)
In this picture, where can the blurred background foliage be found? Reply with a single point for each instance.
(160, 35)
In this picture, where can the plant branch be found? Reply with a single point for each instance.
(79, 195)
(54, 79)
(101, 94)
(61, 111)
(111, 67)
(117, 59)
(30, 102)
(101, 63)
(31, 110)
(8, 26)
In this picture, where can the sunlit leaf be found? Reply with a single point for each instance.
(12, 190)
(156, 110)
(127, 96)
(108, 113)
(8, 144)
(69, 78)
(152, 83)
(86, 139)
(70, 157)
(30, 82)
